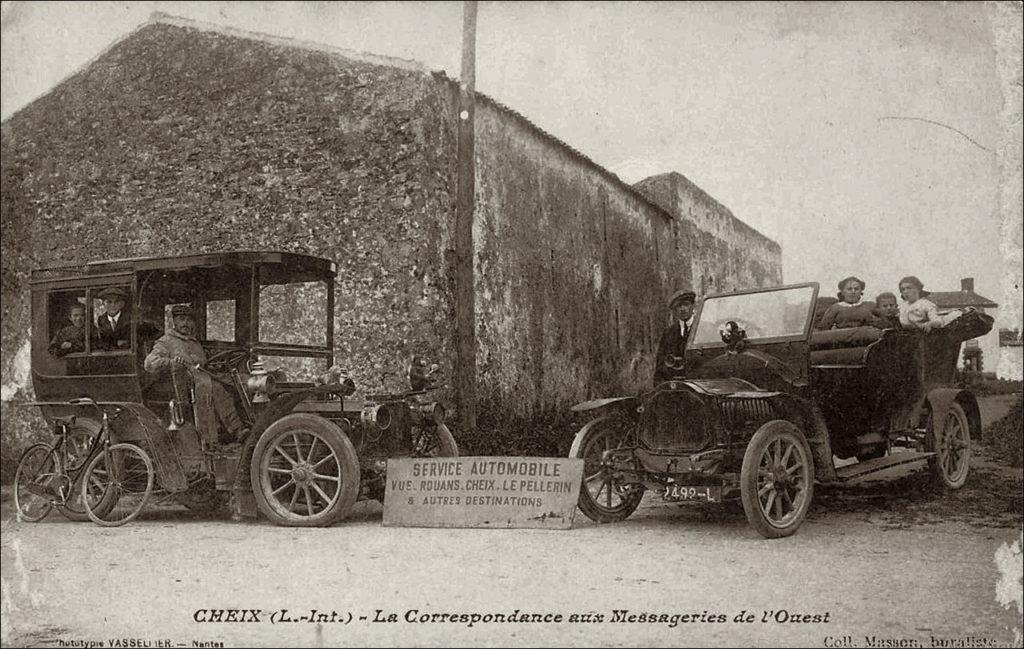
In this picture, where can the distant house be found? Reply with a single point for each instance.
(947, 301)
(965, 297)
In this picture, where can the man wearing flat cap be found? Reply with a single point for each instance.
(114, 326)
(673, 339)
(178, 350)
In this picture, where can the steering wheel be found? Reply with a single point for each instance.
(752, 330)
(222, 362)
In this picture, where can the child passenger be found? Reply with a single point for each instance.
(887, 311)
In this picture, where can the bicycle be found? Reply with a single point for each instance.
(113, 481)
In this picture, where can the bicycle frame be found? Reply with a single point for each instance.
(100, 442)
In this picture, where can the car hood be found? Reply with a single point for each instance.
(728, 387)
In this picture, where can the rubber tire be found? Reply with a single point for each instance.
(766, 434)
(591, 430)
(19, 475)
(348, 462)
(939, 478)
(99, 514)
(447, 446)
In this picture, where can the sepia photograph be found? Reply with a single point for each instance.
(541, 324)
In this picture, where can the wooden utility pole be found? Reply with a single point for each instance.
(465, 293)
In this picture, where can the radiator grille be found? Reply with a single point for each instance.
(675, 421)
(738, 414)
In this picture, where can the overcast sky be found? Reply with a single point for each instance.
(860, 136)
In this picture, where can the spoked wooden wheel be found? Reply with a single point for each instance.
(952, 447)
(777, 479)
(37, 483)
(605, 497)
(304, 472)
(116, 485)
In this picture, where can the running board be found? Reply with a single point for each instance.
(859, 469)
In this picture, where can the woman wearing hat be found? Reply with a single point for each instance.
(114, 327)
(851, 310)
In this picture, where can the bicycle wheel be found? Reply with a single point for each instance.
(116, 485)
(78, 442)
(37, 482)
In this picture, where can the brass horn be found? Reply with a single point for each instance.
(175, 407)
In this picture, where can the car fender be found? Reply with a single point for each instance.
(280, 406)
(808, 416)
(939, 401)
(577, 441)
(595, 404)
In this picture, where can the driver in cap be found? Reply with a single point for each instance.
(673, 339)
(178, 349)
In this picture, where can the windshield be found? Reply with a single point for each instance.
(772, 314)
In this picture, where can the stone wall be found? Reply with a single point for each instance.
(574, 266)
(234, 143)
(724, 253)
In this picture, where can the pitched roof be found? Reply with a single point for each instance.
(959, 299)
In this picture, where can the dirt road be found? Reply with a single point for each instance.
(892, 561)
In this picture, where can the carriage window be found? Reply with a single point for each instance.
(294, 313)
(66, 317)
(220, 320)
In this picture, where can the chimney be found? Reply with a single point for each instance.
(967, 284)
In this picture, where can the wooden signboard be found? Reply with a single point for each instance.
(488, 491)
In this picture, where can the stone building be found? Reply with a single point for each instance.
(985, 348)
(183, 137)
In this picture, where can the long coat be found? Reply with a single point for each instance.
(213, 405)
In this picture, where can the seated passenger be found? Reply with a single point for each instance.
(70, 339)
(887, 311)
(114, 327)
(850, 310)
(917, 311)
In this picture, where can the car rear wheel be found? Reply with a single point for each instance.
(434, 441)
(605, 497)
(952, 447)
(305, 472)
(37, 482)
(777, 479)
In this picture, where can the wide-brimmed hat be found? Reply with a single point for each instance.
(682, 296)
(182, 309)
(113, 293)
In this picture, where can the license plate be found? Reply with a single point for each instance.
(686, 492)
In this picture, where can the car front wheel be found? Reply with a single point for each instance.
(777, 479)
(305, 472)
(605, 497)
